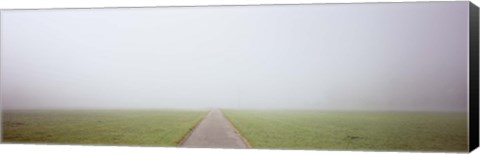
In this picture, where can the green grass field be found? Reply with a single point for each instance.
(102, 127)
(380, 131)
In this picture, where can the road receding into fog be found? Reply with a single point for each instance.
(214, 131)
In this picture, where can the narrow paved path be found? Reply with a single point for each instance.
(214, 131)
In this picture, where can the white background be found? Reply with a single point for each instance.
(54, 149)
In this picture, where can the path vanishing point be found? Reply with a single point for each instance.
(214, 131)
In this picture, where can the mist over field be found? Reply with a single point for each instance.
(332, 57)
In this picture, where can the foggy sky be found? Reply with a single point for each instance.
(391, 56)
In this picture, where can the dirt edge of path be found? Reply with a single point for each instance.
(236, 130)
(180, 144)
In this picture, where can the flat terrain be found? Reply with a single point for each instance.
(103, 127)
(214, 132)
(380, 131)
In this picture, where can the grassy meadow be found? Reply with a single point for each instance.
(103, 127)
(380, 131)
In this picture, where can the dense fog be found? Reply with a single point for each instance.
(378, 56)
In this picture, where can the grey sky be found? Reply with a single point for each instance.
(395, 56)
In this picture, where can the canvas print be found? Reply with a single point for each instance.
(361, 77)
